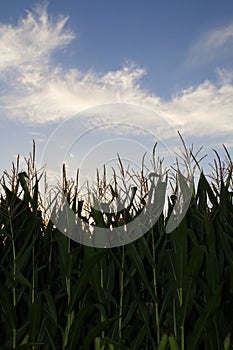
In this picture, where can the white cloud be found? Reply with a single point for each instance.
(61, 94)
(212, 45)
(37, 91)
(204, 110)
(32, 41)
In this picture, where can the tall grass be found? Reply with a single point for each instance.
(163, 291)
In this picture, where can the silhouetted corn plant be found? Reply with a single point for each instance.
(163, 291)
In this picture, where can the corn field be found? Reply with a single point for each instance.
(163, 291)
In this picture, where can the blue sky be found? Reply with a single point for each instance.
(61, 57)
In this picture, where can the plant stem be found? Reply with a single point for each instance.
(50, 253)
(182, 326)
(155, 290)
(68, 291)
(174, 317)
(14, 278)
(102, 287)
(33, 273)
(69, 286)
(121, 291)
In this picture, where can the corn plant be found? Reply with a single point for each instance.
(163, 291)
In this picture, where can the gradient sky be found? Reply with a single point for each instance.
(59, 58)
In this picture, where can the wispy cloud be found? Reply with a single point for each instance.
(32, 40)
(212, 45)
(225, 75)
(38, 91)
(204, 110)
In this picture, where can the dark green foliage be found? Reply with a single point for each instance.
(164, 291)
